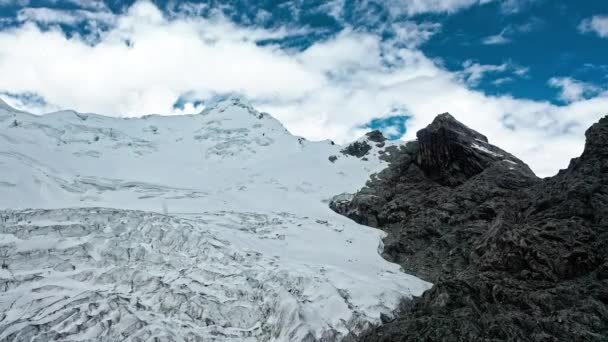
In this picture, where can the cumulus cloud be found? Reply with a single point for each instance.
(93, 20)
(147, 61)
(45, 15)
(597, 24)
(572, 89)
(413, 34)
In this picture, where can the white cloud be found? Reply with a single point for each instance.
(497, 39)
(188, 108)
(573, 90)
(45, 15)
(397, 8)
(505, 36)
(165, 60)
(413, 34)
(597, 24)
(413, 7)
(472, 73)
(98, 5)
(502, 80)
(326, 91)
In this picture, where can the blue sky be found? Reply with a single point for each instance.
(542, 36)
(531, 74)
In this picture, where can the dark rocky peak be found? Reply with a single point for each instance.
(446, 122)
(450, 152)
(376, 136)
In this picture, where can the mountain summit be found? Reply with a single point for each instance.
(450, 153)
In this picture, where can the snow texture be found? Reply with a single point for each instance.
(209, 227)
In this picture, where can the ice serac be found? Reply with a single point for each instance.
(207, 227)
(513, 257)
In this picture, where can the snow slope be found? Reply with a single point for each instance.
(219, 230)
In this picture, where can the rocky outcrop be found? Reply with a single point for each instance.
(376, 136)
(513, 257)
(362, 147)
(357, 149)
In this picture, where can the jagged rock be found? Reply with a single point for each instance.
(357, 149)
(513, 257)
(376, 136)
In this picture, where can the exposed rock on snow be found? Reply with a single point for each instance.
(376, 136)
(357, 149)
(513, 257)
(372, 141)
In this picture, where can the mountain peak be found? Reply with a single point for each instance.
(450, 152)
(223, 102)
(449, 123)
(233, 106)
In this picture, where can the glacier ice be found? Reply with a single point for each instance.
(209, 227)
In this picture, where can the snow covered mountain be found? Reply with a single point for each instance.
(211, 227)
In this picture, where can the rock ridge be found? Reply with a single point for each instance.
(513, 257)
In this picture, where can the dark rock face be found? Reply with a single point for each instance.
(449, 152)
(512, 257)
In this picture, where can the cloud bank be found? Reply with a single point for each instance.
(145, 62)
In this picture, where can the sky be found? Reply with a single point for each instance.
(532, 75)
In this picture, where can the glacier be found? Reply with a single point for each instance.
(206, 227)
